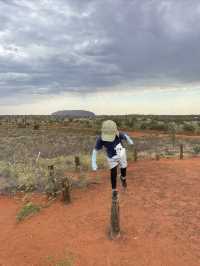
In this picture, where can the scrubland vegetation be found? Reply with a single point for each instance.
(29, 144)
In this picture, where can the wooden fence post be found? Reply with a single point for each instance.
(181, 151)
(52, 186)
(66, 189)
(157, 157)
(77, 162)
(115, 217)
(51, 170)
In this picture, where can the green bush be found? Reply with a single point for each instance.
(67, 261)
(36, 127)
(144, 126)
(189, 127)
(196, 149)
(27, 210)
(155, 125)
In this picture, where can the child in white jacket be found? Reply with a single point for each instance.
(111, 139)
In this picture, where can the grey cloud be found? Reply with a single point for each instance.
(56, 46)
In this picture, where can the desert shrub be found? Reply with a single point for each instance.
(189, 127)
(143, 126)
(66, 123)
(21, 125)
(29, 176)
(129, 123)
(7, 170)
(118, 122)
(27, 179)
(64, 262)
(169, 153)
(156, 125)
(196, 149)
(22, 176)
(36, 127)
(67, 261)
(130, 154)
(86, 161)
(27, 210)
(71, 119)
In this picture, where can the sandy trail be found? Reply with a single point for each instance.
(160, 221)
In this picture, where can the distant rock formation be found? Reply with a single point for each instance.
(74, 113)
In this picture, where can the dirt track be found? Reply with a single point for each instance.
(160, 220)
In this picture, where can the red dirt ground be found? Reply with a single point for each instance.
(160, 222)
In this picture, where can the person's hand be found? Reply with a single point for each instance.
(94, 160)
(129, 140)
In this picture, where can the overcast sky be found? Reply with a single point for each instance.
(107, 56)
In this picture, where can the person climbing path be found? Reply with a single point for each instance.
(112, 140)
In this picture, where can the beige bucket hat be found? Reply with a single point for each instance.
(109, 130)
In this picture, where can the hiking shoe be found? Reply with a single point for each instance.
(123, 181)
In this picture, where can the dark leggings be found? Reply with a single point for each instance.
(113, 175)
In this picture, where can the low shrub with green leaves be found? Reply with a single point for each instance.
(68, 260)
(27, 210)
(196, 149)
(64, 262)
(189, 127)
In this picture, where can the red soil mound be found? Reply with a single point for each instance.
(159, 220)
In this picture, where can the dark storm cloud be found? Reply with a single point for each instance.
(49, 46)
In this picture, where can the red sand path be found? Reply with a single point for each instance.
(160, 219)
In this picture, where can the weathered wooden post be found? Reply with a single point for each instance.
(135, 155)
(115, 217)
(77, 162)
(66, 189)
(181, 151)
(51, 186)
(36, 126)
(51, 171)
(24, 121)
(157, 157)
